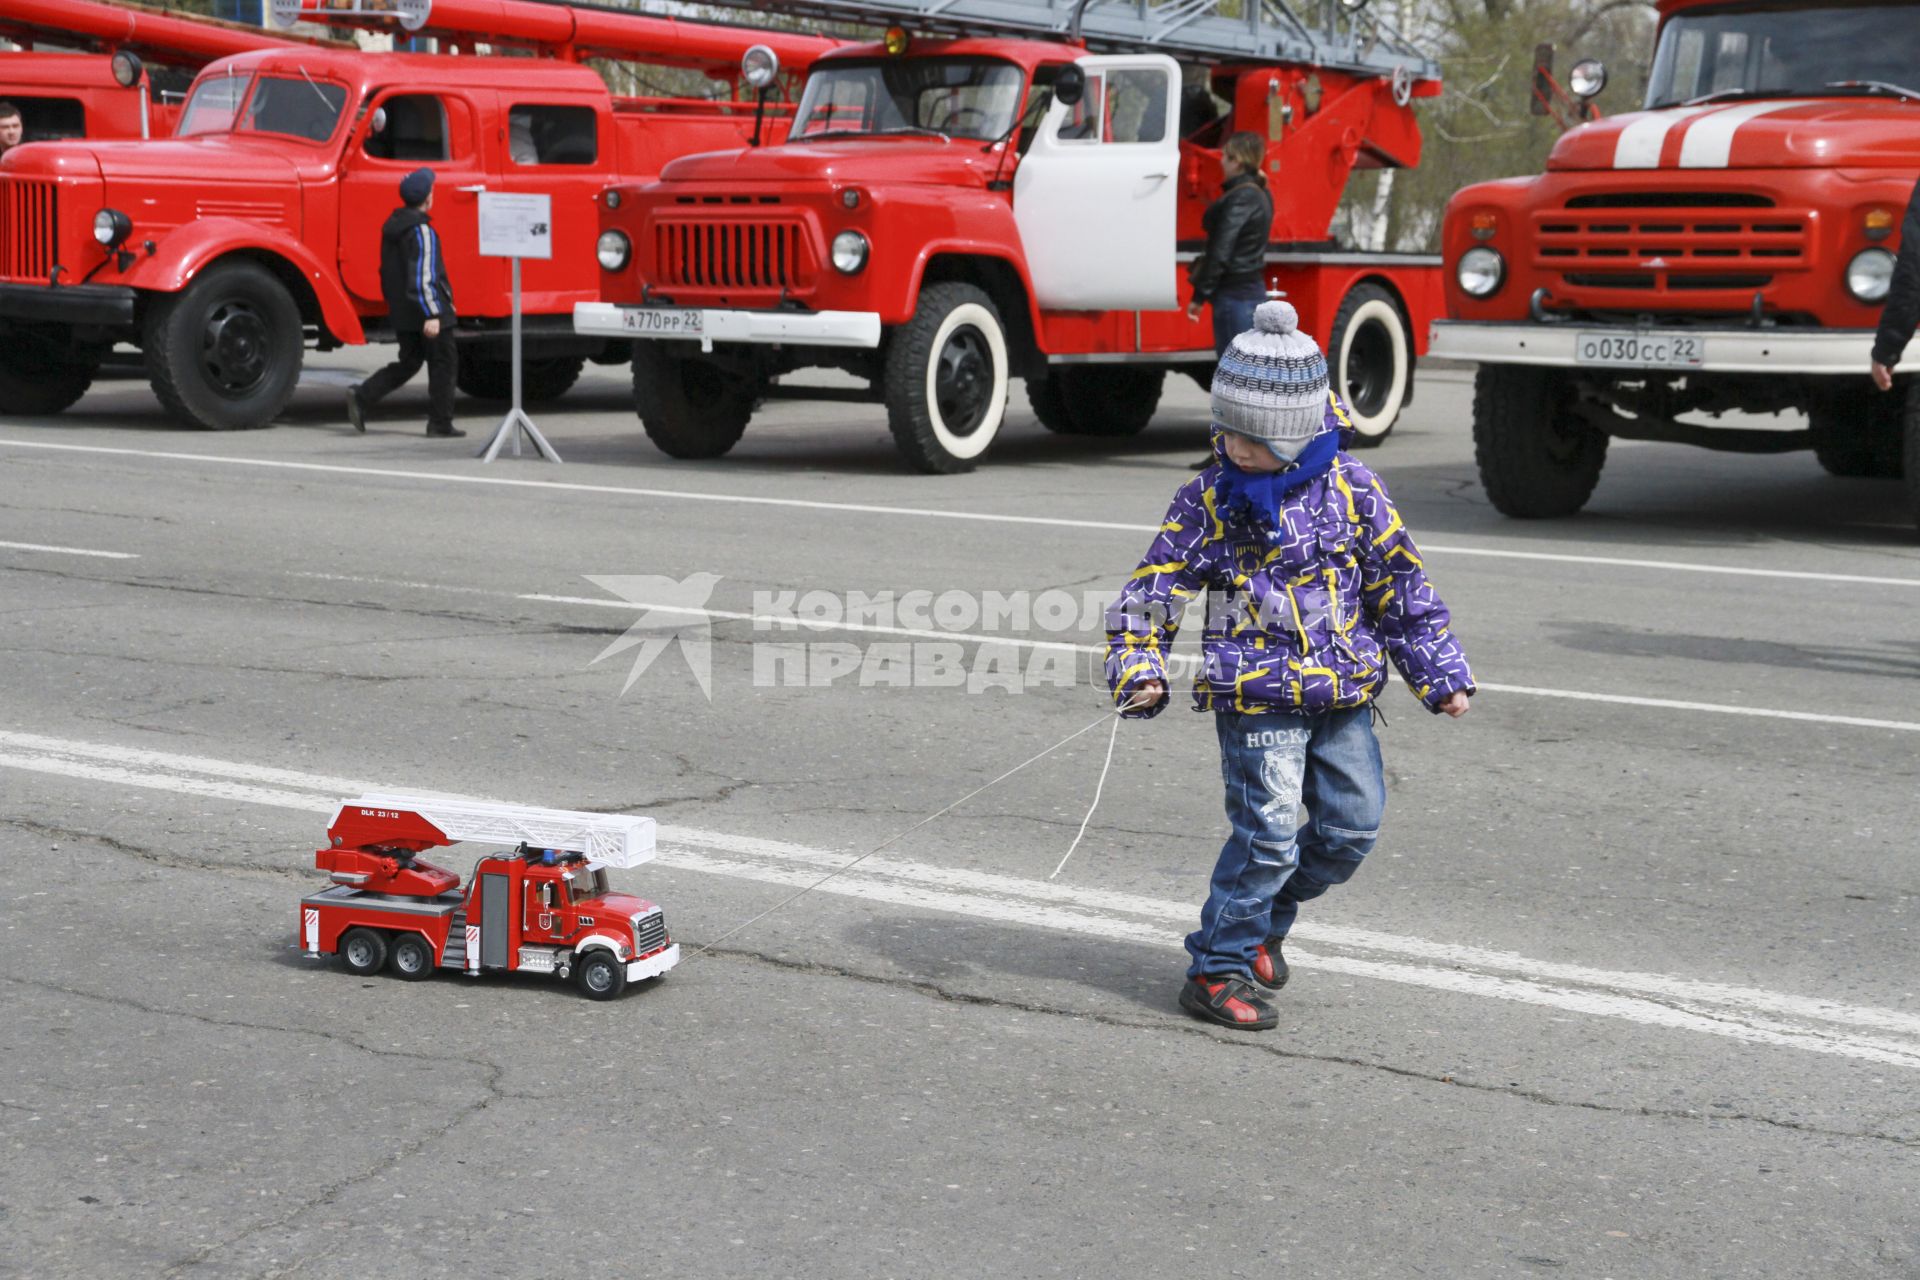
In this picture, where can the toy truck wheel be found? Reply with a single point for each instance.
(600, 974)
(39, 374)
(1857, 432)
(541, 381)
(945, 379)
(225, 354)
(363, 951)
(1373, 358)
(1106, 400)
(410, 957)
(1047, 398)
(690, 407)
(1536, 459)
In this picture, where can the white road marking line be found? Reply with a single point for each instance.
(775, 626)
(1741, 1013)
(68, 551)
(925, 513)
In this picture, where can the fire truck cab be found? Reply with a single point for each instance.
(1726, 249)
(949, 213)
(546, 907)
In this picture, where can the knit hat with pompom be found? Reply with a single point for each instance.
(1271, 384)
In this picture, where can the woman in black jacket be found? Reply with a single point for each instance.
(1231, 273)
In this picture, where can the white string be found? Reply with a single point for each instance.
(1098, 788)
(1114, 715)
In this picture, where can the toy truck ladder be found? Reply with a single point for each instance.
(1351, 40)
(382, 822)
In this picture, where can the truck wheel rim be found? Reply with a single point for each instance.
(234, 348)
(360, 953)
(599, 976)
(407, 958)
(1370, 369)
(963, 381)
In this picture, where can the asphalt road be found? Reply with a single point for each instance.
(1627, 990)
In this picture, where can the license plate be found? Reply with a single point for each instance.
(663, 320)
(1639, 350)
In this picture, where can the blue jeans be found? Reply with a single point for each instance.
(1273, 862)
(1233, 312)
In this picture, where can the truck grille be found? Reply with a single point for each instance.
(1693, 240)
(756, 254)
(649, 933)
(29, 229)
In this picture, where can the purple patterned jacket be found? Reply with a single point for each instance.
(1300, 619)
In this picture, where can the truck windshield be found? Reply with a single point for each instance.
(951, 97)
(296, 107)
(214, 104)
(1787, 52)
(584, 884)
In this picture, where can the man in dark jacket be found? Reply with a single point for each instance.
(1902, 310)
(1231, 272)
(413, 278)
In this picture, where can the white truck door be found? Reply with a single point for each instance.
(1094, 196)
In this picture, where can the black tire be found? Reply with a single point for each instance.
(690, 407)
(363, 951)
(1910, 450)
(1047, 398)
(224, 355)
(1536, 459)
(410, 957)
(541, 381)
(1857, 432)
(945, 379)
(1105, 400)
(1370, 357)
(599, 974)
(41, 373)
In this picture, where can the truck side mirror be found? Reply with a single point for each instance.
(1070, 85)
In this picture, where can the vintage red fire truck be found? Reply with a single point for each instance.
(543, 906)
(993, 200)
(1727, 249)
(221, 252)
(81, 69)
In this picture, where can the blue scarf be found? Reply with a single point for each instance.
(1264, 491)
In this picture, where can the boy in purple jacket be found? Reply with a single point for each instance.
(1312, 584)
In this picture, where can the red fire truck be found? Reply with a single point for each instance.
(545, 907)
(79, 69)
(1727, 249)
(980, 197)
(222, 251)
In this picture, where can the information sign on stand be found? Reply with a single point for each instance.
(516, 225)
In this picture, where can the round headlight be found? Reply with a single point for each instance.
(1588, 78)
(759, 65)
(126, 68)
(1870, 274)
(111, 228)
(613, 199)
(849, 252)
(613, 250)
(1481, 271)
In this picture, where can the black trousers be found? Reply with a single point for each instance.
(441, 356)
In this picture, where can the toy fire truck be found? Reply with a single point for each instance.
(543, 907)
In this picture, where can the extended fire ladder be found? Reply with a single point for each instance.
(380, 821)
(1341, 35)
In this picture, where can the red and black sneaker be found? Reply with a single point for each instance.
(1269, 966)
(1230, 1000)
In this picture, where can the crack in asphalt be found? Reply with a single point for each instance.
(935, 991)
(326, 1193)
(154, 856)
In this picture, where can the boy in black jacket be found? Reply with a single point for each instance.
(413, 278)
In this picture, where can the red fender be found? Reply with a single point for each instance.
(190, 249)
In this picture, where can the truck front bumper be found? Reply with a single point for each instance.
(654, 965)
(83, 304)
(1771, 351)
(708, 326)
